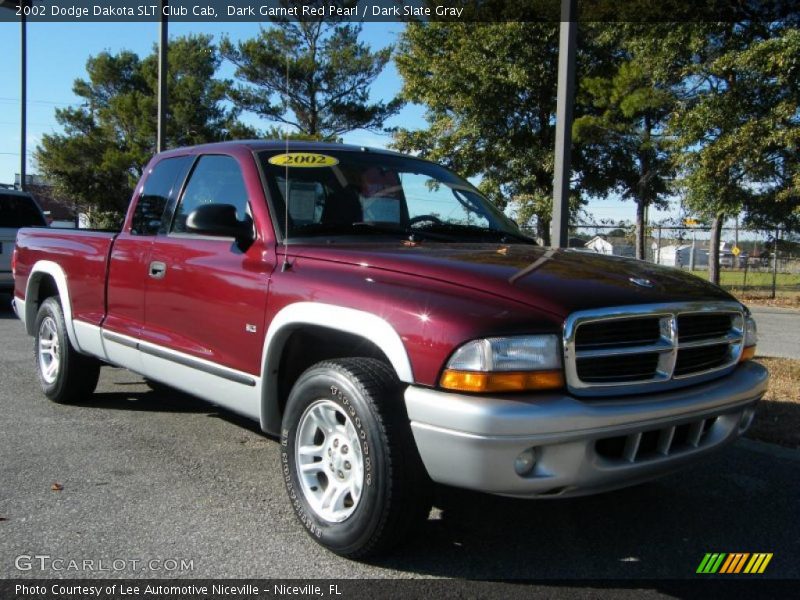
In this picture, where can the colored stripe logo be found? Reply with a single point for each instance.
(734, 563)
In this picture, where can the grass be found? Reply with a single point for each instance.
(778, 414)
(759, 287)
(757, 280)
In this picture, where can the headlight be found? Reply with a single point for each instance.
(750, 338)
(505, 364)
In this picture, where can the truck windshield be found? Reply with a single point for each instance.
(19, 211)
(335, 193)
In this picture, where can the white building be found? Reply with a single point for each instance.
(680, 255)
(610, 247)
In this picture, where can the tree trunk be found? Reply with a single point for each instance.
(640, 230)
(543, 229)
(713, 250)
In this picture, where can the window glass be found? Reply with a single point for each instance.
(428, 197)
(157, 189)
(19, 211)
(345, 193)
(215, 180)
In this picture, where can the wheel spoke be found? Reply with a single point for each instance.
(327, 496)
(312, 467)
(355, 490)
(312, 451)
(51, 369)
(328, 418)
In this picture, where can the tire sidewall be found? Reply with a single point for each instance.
(329, 384)
(51, 308)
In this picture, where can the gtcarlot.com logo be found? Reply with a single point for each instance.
(734, 563)
(45, 562)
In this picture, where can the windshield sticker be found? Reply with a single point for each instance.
(304, 160)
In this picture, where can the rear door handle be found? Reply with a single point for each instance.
(157, 269)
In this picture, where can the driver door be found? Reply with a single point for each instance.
(206, 296)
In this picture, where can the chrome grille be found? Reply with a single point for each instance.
(659, 346)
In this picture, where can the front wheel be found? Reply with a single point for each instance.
(64, 374)
(350, 465)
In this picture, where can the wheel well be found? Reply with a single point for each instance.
(41, 288)
(310, 345)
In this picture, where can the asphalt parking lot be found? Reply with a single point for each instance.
(159, 475)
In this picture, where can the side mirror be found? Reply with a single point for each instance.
(220, 220)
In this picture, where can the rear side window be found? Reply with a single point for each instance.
(216, 179)
(158, 187)
(19, 211)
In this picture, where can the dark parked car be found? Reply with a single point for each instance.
(17, 210)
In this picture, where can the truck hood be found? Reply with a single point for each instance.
(553, 280)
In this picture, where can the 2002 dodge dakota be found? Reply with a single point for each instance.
(393, 328)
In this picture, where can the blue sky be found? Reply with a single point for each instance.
(57, 54)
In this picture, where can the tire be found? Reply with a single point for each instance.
(369, 442)
(65, 375)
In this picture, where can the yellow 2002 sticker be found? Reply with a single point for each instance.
(303, 159)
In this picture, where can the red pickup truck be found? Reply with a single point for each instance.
(393, 329)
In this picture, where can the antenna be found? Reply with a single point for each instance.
(286, 265)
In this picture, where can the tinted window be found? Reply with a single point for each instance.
(157, 189)
(364, 193)
(19, 211)
(214, 180)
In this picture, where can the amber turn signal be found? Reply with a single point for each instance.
(748, 353)
(477, 381)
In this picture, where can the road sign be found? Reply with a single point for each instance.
(690, 222)
(735, 250)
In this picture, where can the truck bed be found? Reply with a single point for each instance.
(83, 256)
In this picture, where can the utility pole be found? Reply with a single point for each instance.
(163, 66)
(23, 93)
(775, 263)
(564, 107)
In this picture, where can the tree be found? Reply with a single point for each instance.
(329, 77)
(487, 115)
(736, 126)
(490, 94)
(110, 137)
(622, 136)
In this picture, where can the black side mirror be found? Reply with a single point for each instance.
(220, 220)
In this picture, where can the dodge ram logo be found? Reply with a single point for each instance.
(641, 282)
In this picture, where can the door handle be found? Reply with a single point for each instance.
(157, 269)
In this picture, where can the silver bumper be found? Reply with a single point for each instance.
(580, 446)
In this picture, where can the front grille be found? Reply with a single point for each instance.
(692, 360)
(643, 446)
(702, 327)
(611, 368)
(633, 332)
(612, 350)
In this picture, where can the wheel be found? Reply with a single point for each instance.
(64, 374)
(351, 468)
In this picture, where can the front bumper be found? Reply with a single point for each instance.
(581, 446)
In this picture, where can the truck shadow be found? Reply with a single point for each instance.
(154, 397)
(6, 312)
(739, 501)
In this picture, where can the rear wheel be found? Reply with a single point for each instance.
(350, 465)
(64, 374)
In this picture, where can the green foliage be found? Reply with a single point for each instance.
(622, 133)
(490, 92)
(329, 76)
(110, 137)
